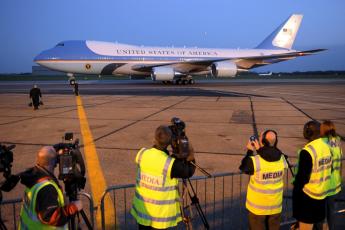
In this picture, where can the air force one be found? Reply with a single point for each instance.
(177, 65)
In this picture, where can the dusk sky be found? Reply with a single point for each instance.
(30, 26)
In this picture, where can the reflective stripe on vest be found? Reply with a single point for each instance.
(319, 184)
(337, 154)
(28, 214)
(265, 188)
(156, 199)
(156, 219)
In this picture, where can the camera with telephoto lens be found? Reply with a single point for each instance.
(71, 165)
(6, 160)
(179, 140)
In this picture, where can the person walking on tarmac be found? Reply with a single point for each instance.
(265, 188)
(312, 180)
(156, 203)
(35, 95)
(76, 89)
(327, 130)
(43, 204)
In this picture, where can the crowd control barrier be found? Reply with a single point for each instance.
(221, 197)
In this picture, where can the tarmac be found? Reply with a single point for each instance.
(122, 116)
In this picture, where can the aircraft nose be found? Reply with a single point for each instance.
(41, 56)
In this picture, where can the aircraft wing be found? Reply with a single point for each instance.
(192, 66)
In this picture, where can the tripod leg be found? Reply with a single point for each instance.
(195, 202)
(86, 220)
(2, 225)
(72, 223)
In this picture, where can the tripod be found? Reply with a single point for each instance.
(289, 164)
(72, 192)
(194, 200)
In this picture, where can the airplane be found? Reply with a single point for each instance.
(168, 64)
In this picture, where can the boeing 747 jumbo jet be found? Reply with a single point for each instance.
(177, 65)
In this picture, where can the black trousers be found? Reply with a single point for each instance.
(330, 209)
(269, 222)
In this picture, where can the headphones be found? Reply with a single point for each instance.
(265, 141)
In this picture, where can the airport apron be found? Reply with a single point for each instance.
(28, 214)
(319, 184)
(265, 188)
(156, 199)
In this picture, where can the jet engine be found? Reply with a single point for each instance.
(162, 74)
(224, 69)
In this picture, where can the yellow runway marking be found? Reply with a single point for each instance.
(96, 177)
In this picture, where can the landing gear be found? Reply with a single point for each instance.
(186, 80)
(71, 78)
(72, 82)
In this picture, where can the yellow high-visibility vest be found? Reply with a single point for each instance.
(265, 188)
(156, 202)
(319, 184)
(28, 215)
(337, 154)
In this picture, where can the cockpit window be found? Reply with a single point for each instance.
(60, 44)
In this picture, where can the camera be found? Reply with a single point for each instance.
(179, 140)
(253, 138)
(71, 165)
(6, 159)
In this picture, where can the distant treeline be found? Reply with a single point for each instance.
(299, 73)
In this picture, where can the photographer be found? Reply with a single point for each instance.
(312, 181)
(44, 204)
(265, 188)
(156, 204)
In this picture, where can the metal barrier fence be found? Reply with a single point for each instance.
(10, 210)
(221, 197)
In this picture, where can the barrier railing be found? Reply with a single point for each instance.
(221, 197)
(10, 210)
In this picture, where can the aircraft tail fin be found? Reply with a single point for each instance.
(284, 36)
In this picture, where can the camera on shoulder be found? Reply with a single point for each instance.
(71, 165)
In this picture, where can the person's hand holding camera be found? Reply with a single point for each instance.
(78, 204)
(253, 143)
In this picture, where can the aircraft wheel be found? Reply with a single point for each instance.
(72, 82)
(191, 81)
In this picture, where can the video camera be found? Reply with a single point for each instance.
(179, 140)
(71, 166)
(6, 159)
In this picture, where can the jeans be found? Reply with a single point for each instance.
(269, 222)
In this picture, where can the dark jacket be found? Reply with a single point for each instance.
(35, 94)
(47, 207)
(270, 154)
(181, 168)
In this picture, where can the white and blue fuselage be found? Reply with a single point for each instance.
(169, 63)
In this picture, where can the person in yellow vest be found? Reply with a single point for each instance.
(265, 188)
(43, 203)
(156, 203)
(312, 180)
(328, 131)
